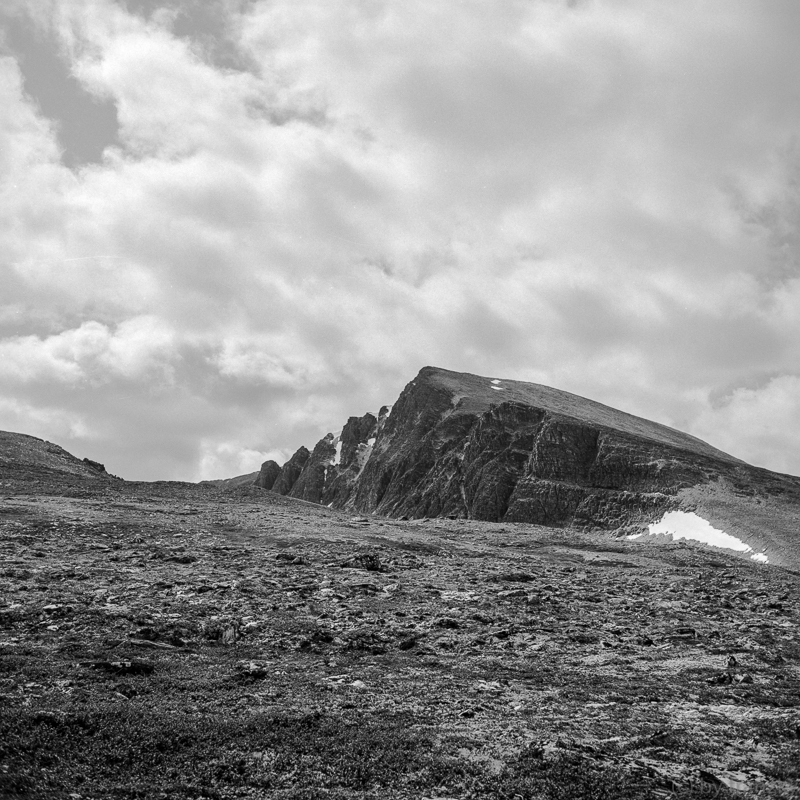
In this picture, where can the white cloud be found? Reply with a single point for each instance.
(599, 196)
(231, 459)
(139, 349)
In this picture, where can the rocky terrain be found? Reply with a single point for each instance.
(467, 447)
(444, 600)
(167, 640)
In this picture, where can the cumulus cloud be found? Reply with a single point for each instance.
(305, 202)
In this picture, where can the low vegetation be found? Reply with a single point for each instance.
(187, 642)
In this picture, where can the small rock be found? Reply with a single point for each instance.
(252, 669)
(146, 643)
(230, 634)
(290, 558)
(133, 667)
(182, 559)
(723, 679)
(510, 594)
(732, 781)
(516, 577)
(367, 561)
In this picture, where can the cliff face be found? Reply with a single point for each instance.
(461, 445)
(353, 449)
(291, 471)
(311, 482)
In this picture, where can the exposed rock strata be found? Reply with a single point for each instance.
(464, 446)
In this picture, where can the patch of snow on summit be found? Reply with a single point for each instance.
(688, 525)
(495, 381)
(498, 388)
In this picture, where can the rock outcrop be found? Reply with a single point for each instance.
(464, 446)
(354, 448)
(311, 482)
(291, 471)
(270, 470)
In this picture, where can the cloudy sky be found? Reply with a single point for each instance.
(228, 225)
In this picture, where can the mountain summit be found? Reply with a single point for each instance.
(465, 446)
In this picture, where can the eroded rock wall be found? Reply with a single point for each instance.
(463, 446)
(436, 456)
(290, 471)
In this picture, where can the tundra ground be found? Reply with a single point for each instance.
(175, 641)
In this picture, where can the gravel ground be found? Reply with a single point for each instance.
(170, 640)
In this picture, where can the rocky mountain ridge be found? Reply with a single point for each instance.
(464, 446)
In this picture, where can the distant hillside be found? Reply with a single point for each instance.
(233, 483)
(24, 457)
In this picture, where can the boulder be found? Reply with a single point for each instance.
(270, 470)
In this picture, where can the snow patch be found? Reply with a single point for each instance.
(371, 441)
(497, 388)
(495, 381)
(688, 525)
(337, 459)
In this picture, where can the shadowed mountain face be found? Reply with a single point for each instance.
(464, 446)
(467, 446)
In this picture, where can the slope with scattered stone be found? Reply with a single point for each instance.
(26, 458)
(183, 641)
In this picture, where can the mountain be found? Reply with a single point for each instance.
(26, 458)
(464, 446)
